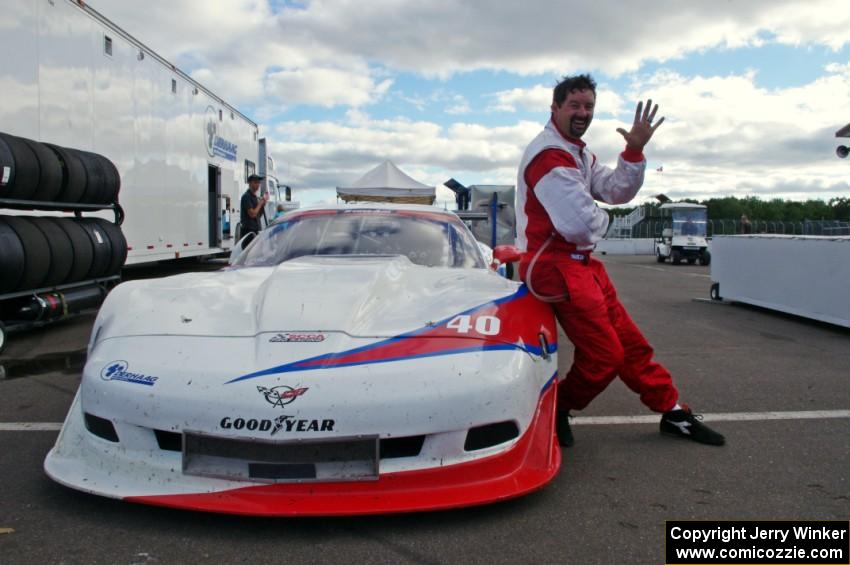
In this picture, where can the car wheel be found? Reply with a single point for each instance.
(659, 257)
(676, 256)
(705, 258)
(2, 337)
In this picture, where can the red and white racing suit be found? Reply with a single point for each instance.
(558, 183)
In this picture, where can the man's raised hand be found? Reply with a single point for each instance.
(642, 128)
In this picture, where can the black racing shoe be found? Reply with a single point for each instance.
(562, 426)
(687, 425)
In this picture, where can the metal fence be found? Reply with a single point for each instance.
(653, 228)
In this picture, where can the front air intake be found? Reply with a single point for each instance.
(395, 447)
(482, 437)
(169, 441)
(101, 427)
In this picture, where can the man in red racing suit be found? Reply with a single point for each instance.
(558, 224)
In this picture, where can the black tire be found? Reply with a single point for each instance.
(25, 175)
(113, 181)
(50, 169)
(118, 244)
(102, 248)
(36, 252)
(705, 258)
(714, 293)
(61, 251)
(7, 168)
(82, 248)
(3, 337)
(12, 258)
(73, 174)
(659, 257)
(95, 176)
(676, 256)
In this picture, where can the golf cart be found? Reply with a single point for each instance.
(686, 239)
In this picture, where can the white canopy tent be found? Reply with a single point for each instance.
(387, 183)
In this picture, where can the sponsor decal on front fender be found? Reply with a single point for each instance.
(118, 371)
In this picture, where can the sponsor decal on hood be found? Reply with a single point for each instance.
(119, 371)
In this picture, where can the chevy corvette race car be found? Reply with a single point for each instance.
(351, 360)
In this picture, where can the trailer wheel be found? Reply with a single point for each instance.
(118, 243)
(83, 251)
(676, 256)
(36, 252)
(73, 174)
(61, 251)
(102, 248)
(714, 293)
(11, 258)
(50, 172)
(25, 174)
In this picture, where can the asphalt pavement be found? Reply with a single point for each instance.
(779, 382)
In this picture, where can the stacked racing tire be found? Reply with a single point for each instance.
(53, 263)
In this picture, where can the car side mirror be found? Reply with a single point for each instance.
(507, 254)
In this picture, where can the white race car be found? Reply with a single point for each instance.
(351, 360)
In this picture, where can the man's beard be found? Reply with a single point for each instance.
(579, 131)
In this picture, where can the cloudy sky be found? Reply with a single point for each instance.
(753, 91)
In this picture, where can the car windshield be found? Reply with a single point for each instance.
(426, 238)
(690, 222)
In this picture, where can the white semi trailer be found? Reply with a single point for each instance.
(71, 77)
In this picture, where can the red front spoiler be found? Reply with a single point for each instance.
(527, 466)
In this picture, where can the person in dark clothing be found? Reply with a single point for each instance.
(251, 208)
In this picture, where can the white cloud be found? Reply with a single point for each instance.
(325, 87)
(538, 36)
(722, 136)
(538, 98)
(234, 44)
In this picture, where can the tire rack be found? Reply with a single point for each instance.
(105, 283)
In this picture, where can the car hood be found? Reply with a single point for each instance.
(360, 296)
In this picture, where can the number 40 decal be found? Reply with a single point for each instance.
(485, 325)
